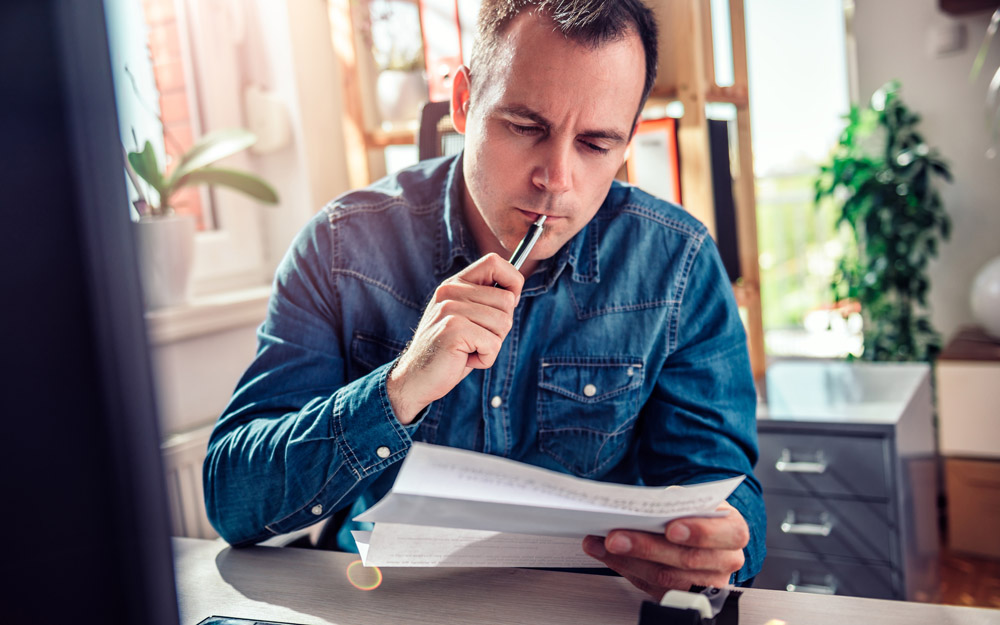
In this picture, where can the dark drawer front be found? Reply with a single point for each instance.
(855, 529)
(785, 572)
(830, 464)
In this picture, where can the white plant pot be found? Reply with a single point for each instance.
(985, 297)
(165, 246)
(400, 95)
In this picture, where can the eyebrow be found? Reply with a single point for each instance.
(538, 118)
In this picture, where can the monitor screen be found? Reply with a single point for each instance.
(87, 534)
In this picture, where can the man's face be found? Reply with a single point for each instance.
(545, 133)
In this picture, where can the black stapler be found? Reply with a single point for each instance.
(699, 606)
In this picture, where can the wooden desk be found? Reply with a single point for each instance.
(311, 587)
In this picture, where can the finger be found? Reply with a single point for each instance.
(652, 577)
(458, 289)
(478, 344)
(492, 269)
(728, 532)
(656, 548)
(497, 322)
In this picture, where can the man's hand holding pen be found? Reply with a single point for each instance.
(462, 329)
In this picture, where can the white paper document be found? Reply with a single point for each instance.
(393, 544)
(443, 488)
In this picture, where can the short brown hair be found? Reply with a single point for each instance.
(589, 22)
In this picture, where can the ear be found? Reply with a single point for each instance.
(460, 89)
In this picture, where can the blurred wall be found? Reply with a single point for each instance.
(894, 40)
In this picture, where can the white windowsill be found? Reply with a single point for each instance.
(206, 314)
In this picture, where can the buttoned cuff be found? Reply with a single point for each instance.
(365, 427)
(751, 507)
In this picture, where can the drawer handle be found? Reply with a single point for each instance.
(827, 588)
(789, 526)
(785, 464)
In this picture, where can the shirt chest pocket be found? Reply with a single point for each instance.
(587, 408)
(369, 351)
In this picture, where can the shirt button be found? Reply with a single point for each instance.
(496, 402)
(382, 452)
(317, 510)
(590, 390)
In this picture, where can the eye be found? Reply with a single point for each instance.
(593, 147)
(525, 131)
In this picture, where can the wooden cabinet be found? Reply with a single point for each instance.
(849, 472)
(968, 376)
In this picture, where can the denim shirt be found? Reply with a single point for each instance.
(627, 361)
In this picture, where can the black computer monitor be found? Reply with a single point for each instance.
(86, 534)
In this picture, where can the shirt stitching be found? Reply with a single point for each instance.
(694, 247)
(385, 287)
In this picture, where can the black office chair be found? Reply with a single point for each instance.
(436, 136)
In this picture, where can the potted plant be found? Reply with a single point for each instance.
(882, 175)
(165, 239)
(397, 49)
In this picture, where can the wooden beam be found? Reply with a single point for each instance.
(745, 195)
(345, 48)
(682, 75)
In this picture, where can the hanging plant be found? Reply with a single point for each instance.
(882, 176)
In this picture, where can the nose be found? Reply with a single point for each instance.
(554, 173)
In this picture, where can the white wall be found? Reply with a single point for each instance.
(313, 170)
(196, 373)
(892, 38)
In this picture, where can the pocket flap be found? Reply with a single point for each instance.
(590, 380)
(374, 351)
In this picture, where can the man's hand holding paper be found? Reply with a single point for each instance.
(477, 495)
(702, 551)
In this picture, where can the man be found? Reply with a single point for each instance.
(616, 353)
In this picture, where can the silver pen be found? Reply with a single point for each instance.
(524, 247)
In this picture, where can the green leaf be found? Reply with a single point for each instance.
(145, 165)
(240, 181)
(210, 148)
(942, 170)
(991, 30)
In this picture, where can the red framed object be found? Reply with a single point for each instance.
(653, 163)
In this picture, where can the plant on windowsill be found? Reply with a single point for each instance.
(397, 49)
(165, 239)
(882, 176)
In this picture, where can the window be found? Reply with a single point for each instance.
(796, 102)
(190, 64)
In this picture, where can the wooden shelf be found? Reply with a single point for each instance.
(399, 135)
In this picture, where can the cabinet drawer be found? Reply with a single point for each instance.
(818, 575)
(855, 529)
(853, 466)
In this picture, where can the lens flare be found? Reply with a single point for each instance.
(362, 577)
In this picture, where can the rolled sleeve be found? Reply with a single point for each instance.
(298, 441)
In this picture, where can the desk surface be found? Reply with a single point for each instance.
(311, 587)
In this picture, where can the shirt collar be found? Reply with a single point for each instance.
(454, 239)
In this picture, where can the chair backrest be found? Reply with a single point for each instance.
(436, 136)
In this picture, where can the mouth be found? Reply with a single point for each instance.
(532, 216)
